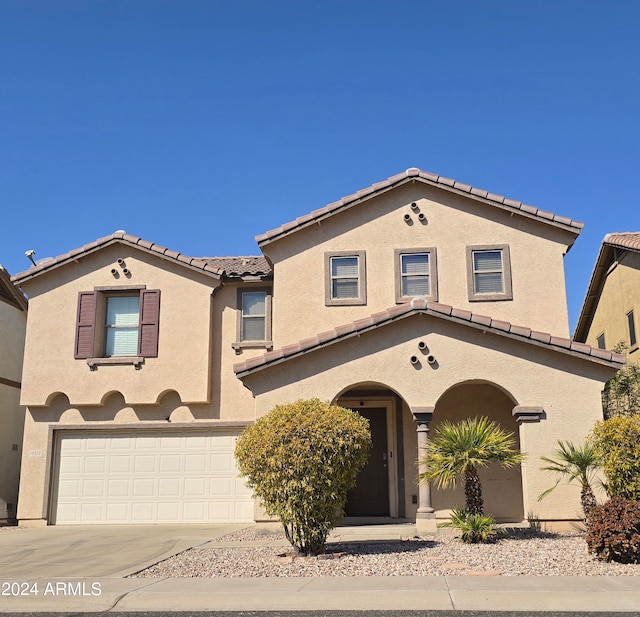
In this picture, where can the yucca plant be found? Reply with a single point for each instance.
(575, 464)
(461, 449)
(475, 528)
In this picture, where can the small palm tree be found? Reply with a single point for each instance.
(474, 528)
(461, 449)
(575, 463)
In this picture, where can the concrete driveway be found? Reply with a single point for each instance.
(97, 550)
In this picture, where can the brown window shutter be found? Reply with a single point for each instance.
(86, 324)
(149, 323)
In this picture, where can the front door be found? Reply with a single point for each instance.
(370, 497)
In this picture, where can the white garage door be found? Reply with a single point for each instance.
(148, 477)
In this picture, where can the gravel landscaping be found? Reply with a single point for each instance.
(522, 552)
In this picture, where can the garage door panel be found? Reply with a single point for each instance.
(118, 477)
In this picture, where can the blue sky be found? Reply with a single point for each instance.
(199, 124)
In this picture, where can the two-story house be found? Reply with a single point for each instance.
(415, 300)
(13, 323)
(610, 312)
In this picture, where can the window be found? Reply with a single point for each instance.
(633, 340)
(345, 278)
(122, 323)
(601, 342)
(416, 274)
(254, 318)
(489, 273)
(116, 322)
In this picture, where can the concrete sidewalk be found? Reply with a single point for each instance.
(462, 593)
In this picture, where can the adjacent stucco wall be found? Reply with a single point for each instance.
(620, 294)
(452, 223)
(566, 387)
(12, 332)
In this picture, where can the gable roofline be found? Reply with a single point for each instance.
(442, 311)
(193, 263)
(625, 241)
(11, 290)
(414, 174)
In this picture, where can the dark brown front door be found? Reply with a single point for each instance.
(370, 497)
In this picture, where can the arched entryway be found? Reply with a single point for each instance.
(380, 490)
(502, 488)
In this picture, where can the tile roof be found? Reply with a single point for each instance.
(435, 309)
(412, 174)
(123, 238)
(252, 265)
(9, 291)
(629, 241)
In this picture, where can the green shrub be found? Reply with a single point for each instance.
(617, 445)
(614, 531)
(475, 528)
(300, 460)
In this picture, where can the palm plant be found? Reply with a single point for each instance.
(474, 528)
(461, 449)
(576, 464)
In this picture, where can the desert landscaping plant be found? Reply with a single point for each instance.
(621, 396)
(460, 449)
(300, 460)
(617, 444)
(614, 531)
(474, 528)
(574, 464)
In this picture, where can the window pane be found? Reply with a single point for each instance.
(344, 288)
(415, 263)
(415, 286)
(123, 310)
(253, 303)
(488, 282)
(487, 260)
(253, 329)
(344, 266)
(632, 329)
(600, 342)
(121, 342)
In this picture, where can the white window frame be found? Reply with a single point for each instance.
(507, 290)
(432, 273)
(361, 297)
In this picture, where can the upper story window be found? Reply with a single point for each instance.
(600, 342)
(345, 278)
(117, 322)
(122, 325)
(416, 274)
(254, 318)
(489, 273)
(631, 325)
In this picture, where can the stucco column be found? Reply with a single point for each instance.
(425, 517)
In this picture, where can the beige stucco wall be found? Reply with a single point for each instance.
(567, 388)
(12, 332)
(620, 294)
(453, 223)
(190, 384)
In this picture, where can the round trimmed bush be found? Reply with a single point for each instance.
(614, 531)
(300, 460)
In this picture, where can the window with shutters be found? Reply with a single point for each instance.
(416, 274)
(118, 324)
(345, 278)
(489, 273)
(254, 318)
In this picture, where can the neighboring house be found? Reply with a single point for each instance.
(415, 300)
(13, 323)
(610, 313)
